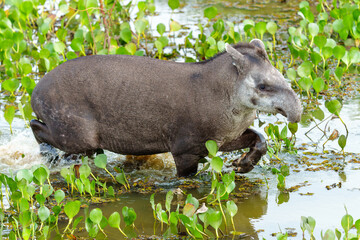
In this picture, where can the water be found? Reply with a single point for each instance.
(263, 212)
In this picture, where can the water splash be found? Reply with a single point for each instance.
(19, 151)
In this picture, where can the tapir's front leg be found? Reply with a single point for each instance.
(249, 139)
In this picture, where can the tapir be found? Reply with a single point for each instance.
(139, 105)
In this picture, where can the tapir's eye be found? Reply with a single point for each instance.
(262, 87)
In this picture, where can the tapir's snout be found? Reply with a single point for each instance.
(289, 106)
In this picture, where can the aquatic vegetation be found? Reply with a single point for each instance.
(215, 210)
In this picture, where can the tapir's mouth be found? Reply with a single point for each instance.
(282, 112)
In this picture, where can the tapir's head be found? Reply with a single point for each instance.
(261, 86)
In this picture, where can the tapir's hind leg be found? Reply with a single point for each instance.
(249, 139)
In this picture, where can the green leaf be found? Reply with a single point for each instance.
(232, 208)
(100, 161)
(327, 52)
(318, 114)
(305, 68)
(291, 74)
(125, 35)
(129, 215)
(271, 27)
(28, 83)
(260, 28)
(339, 51)
(169, 198)
(305, 83)
(140, 25)
(159, 46)
(347, 222)
(315, 58)
(40, 175)
(216, 164)
(84, 171)
(173, 4)
(214, 219)
(123, 51)
(285, 171)
(44, 53)
(334, 106)
(72, 208)
(59, 47)
(210, 12)
(121, 178)
(174, 26)
(342, 141)
(189, 209)
(320, 41)
(76, 44)
(283, 134)
(161, 28)
(329, 235)
(313, 29)
(212, 147)
(318, 84)
(164, 41)
(26, 7)
(10, 85)
(339, 73)
(59, 196)
(114, 220)
(47, 190)
(96, 215)
(293, 127)
(43, 213)
(24, 174)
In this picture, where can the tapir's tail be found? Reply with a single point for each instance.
(41, 132)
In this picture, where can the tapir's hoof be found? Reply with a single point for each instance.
(243, 164)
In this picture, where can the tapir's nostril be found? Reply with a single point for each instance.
(282, 112)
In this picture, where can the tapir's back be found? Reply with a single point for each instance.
(114, 99)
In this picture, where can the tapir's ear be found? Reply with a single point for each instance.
(258, 43)
(238, 58)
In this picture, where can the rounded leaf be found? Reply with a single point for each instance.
(342, 141)
(96, 215)
(232, 208)
(304, 70)
(59, 195)
(210, 12)
(271, 27)
(24, 174)
(318, 84)
(43, 213)
(114, 220)
(72, 208)
(334, 106)
(173, 4)
(216, 164)
(100, 161)
(161, 28)
(313, 29)
(212, 147)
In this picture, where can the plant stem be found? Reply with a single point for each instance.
(222, 212)
(70, 220)
(122, 232)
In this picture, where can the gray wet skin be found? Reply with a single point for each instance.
(139, 105)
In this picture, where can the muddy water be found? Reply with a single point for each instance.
(265, 211)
